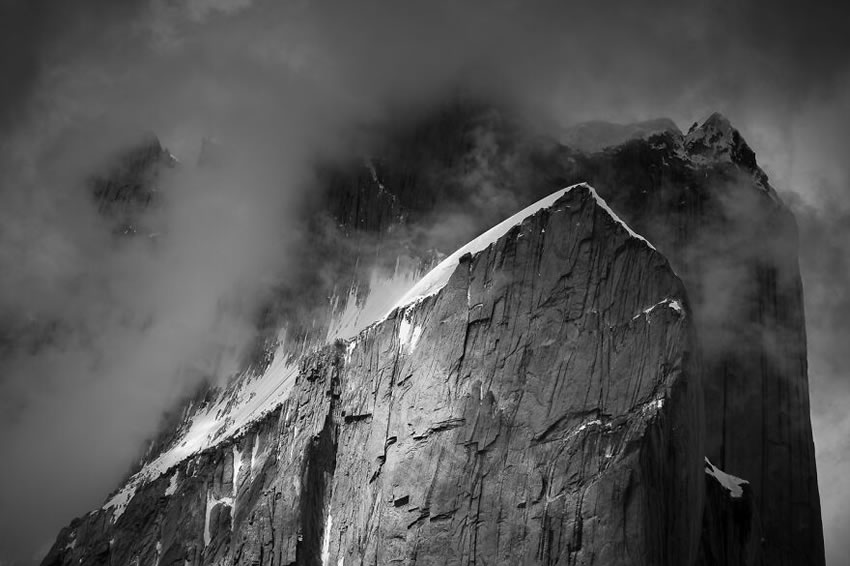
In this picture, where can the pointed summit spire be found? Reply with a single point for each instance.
(717, 138)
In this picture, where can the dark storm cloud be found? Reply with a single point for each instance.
(281, 80)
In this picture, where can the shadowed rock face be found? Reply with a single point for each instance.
(705, 204)
(126, 192)
(547, 411)
(734, 244)
(731, 527)
(532, 411)
(123, 195)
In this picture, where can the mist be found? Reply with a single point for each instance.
(280, 83)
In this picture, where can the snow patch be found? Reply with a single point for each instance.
(712, 141)
(349, 350)
(326, 539)
(358, 313)
(672, 303)
(584, 426)
(172, 485)
(437, 278)
(651, 407)
(734, 485)
(248, 400)
(254, 449)
(292, 443)
(408, 334)
(118, 503)
(237, 465)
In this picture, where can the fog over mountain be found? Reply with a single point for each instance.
(281, 85)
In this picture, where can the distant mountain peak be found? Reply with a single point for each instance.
(717, 139)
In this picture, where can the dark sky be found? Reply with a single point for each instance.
(295, 77)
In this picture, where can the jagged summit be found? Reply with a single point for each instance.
(520, 412)
(130, 187)
(251, 399)
(717, 140)
(424, 426)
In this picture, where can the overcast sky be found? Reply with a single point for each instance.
(291, 78)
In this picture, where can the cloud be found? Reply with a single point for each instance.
(817, 171)
(280, 82)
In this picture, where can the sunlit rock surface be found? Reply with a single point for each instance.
(542, 407)
(553, 402)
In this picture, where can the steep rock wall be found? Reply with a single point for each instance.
(703, 201)
(541, 409)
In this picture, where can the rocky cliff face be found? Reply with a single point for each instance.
(538, 409)
(707, 206)
(549, 397)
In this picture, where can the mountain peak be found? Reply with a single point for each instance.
(438, 277)
(718, 121)
(717, 139)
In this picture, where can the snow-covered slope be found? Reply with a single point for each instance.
(437, 278)
(249, 398)
(233, 410)
(253, 396)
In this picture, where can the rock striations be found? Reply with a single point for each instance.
(576, 386)
(540, 408)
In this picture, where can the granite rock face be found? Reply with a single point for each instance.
(703, 201)
(554, 403)
(539, 409)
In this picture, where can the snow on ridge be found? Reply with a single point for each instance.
(384, 290)
(232, 413)
(734, 485)
(601, 202)
(250, 398)
(437, 278)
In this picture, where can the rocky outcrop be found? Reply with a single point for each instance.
(541, 408)
(703, 201)
(127, 191)
(553, 403)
